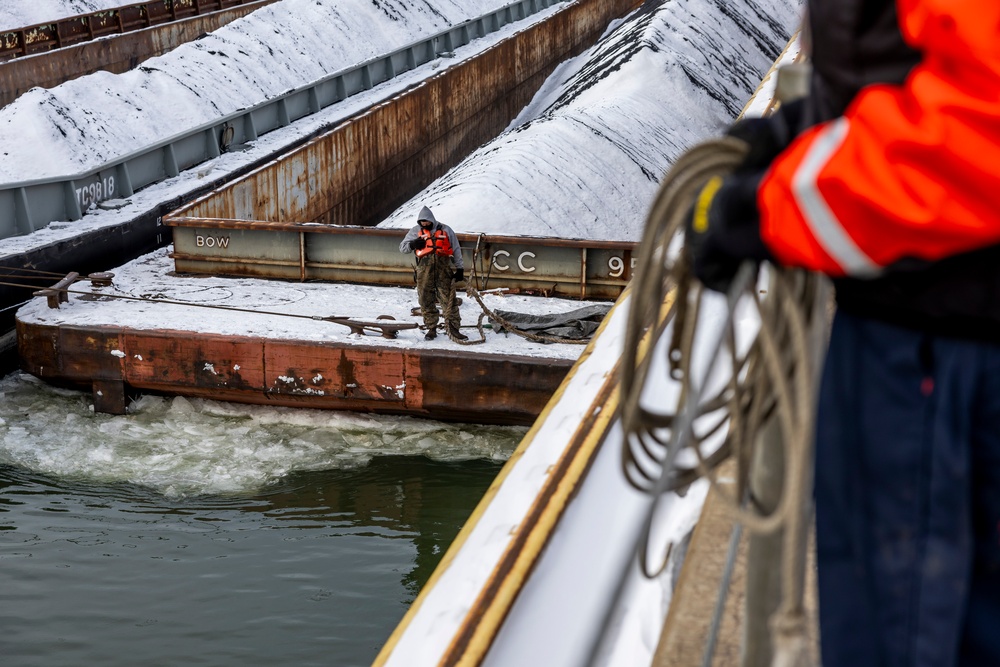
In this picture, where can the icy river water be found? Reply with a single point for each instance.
(203, 533)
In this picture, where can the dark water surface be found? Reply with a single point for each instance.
(309, 566)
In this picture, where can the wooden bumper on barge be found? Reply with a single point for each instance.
(438, 383)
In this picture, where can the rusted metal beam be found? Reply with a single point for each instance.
(295, 251)
(109, 397)
(386, 328)
(57, 293)
(177, 219)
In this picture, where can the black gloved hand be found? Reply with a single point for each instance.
(459, 275)
(768, 136)
(723, 229)
(723, 225)
(418, 243)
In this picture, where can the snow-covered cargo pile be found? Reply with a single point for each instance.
(585, 158)
(92, 120)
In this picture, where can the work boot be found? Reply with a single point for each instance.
(456, 334)
(431, 334)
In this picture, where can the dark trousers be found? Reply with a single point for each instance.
(436, 285)
(908, 499)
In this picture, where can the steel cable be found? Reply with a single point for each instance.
(191, 304)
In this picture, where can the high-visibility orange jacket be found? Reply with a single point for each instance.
(910, 169)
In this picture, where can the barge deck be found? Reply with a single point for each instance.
(280, 343)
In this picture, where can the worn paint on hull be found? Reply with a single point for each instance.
(60, 33)
(440, 384)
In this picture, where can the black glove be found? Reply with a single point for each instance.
(459, 275)
(723, 229)
(768, 136)
(418, 243)
(723, 225)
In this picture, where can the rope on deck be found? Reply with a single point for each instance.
(470, 289)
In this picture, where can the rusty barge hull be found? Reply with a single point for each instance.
(441, 384)
(49, 54)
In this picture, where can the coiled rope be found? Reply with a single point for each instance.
(471, 290)
(773, 381)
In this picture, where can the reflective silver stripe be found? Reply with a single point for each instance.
(824, 224)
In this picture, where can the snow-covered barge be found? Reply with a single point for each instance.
(283, 343)
(99, 226)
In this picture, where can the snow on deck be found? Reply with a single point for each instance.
(150, 277)
(19, 121)
(583, 159)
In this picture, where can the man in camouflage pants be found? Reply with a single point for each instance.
(439, 267)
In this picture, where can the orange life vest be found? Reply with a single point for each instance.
(437, 242)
